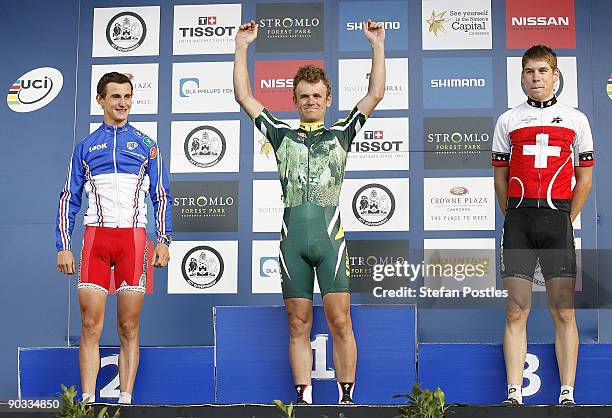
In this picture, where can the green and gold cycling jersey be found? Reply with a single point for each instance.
(311, 162)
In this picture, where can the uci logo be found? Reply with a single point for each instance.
(98, 147)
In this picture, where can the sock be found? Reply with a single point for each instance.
(515, 392)
(345, 389)
(304, 392)
(567, 392)
(88, 397)
(125, 398)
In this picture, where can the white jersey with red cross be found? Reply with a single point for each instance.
(541, 142)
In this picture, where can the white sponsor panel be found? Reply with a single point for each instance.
(452, 24)
(203, 267)
(382, 144)
(203, 87)
(566, 89)
(125, 31)
(205, 146)
(539, 284)
(263, 153)
(266, 272)
(205, 29)
(459, 204)
(144, 81)
(375, 204)
(471, 261)
(353, 78)
(147, 128)
(268, 206)
(35, 89)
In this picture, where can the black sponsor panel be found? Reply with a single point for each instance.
(290, 27)
(458, 142)
(205, 206)
(366, 255)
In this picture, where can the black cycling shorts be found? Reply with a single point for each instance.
(538, 234)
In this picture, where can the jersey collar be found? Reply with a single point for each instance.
(111, 128)
(312, 126)
(541, 105)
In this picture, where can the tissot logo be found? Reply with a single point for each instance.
(207, 27)
(374, 142)
(126, 31)
(373, 204)
(202, 267)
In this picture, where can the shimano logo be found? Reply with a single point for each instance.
(457, 82)
(98, 147)
(540, 21)
(351, 26)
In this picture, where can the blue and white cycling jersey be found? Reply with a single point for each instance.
(118, 167)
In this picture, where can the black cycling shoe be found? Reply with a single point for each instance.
(346, 400)
(511, 402)
(567, 402)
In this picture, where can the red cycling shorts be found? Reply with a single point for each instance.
(125, 249)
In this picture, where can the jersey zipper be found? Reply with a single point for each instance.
(116, 179)
(308, 170)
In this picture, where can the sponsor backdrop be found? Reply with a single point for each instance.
(418, 175)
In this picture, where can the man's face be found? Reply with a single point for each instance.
(539, 79)
(116, 103)
(311, 100)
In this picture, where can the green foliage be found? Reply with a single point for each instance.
(287, 410)
(423, 403)
(73, 408)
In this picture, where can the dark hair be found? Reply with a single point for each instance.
(542, 53)
(112, 77)
(311, 74)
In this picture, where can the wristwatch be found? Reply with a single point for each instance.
(164, 239)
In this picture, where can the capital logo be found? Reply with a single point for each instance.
(373, 204)
(126, 31)
(204, 146)
(202, 267)
(436, 22)
(269, 267)
(35, 89)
